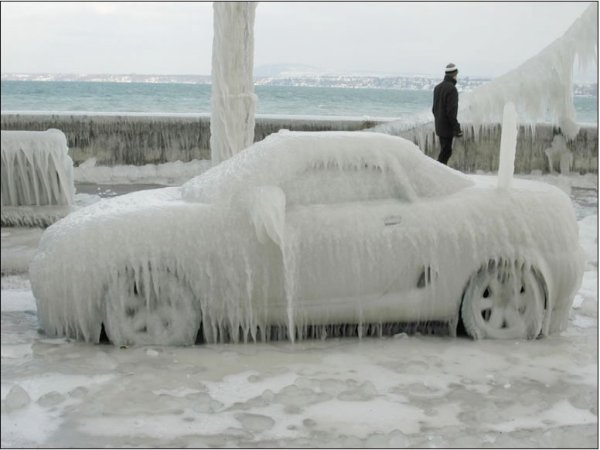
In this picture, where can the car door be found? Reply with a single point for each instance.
(352, 248)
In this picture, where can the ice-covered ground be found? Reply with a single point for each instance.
(401, 391)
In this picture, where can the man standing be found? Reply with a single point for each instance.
(445, 108)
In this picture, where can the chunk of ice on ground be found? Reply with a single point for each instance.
(332, 386)
(78, 392)
(397, 439)
(377, 440)
(16, 398)
(364, 392)
(255, 422)
(204, 403)
(577, 301)
(297, 398)
(51, 399)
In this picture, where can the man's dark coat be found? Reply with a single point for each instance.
(445, 108)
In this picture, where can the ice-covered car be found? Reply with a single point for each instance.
(304, 233)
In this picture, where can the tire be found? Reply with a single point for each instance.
(155, 309)
(504, 300)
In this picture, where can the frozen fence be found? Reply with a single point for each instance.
(37, 177)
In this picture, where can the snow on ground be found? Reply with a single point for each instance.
(401, 391)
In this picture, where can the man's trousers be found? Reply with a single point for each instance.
(446, 152)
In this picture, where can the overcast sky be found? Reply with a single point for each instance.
(483, 39)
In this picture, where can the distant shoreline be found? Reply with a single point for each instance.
(401, 83)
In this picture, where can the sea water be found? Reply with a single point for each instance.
(75, 96)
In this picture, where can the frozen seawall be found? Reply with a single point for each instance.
(537, 148)
(140, 139)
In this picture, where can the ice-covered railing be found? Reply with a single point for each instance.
(115, 140)
(37, 177)
(538, 148)
(401, 127)
(542, 87)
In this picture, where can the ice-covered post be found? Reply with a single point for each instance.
(508, 146)
(233, 98)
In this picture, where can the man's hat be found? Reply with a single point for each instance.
(451, 68)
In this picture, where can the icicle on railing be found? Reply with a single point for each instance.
(558, 151)
(37, 177)
(542, 87)
(233, 98)
(400, 127)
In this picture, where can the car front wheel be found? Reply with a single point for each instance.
(152, 308)
(504, 300)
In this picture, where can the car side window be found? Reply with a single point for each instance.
(331, 183)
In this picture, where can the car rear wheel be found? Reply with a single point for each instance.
(155, 308)
(504, 300)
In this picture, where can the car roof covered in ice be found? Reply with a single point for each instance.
(286, 156)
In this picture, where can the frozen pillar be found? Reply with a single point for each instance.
(233, 98)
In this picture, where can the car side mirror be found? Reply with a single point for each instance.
(266, 209)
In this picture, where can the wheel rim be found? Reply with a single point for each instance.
(156, 310)
(504, 302)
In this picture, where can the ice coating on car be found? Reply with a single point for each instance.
(36, 172)
(241, 262)
(323, 166)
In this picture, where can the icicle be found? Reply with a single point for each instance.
(289, 251)
(559, 151)
(508, 146)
